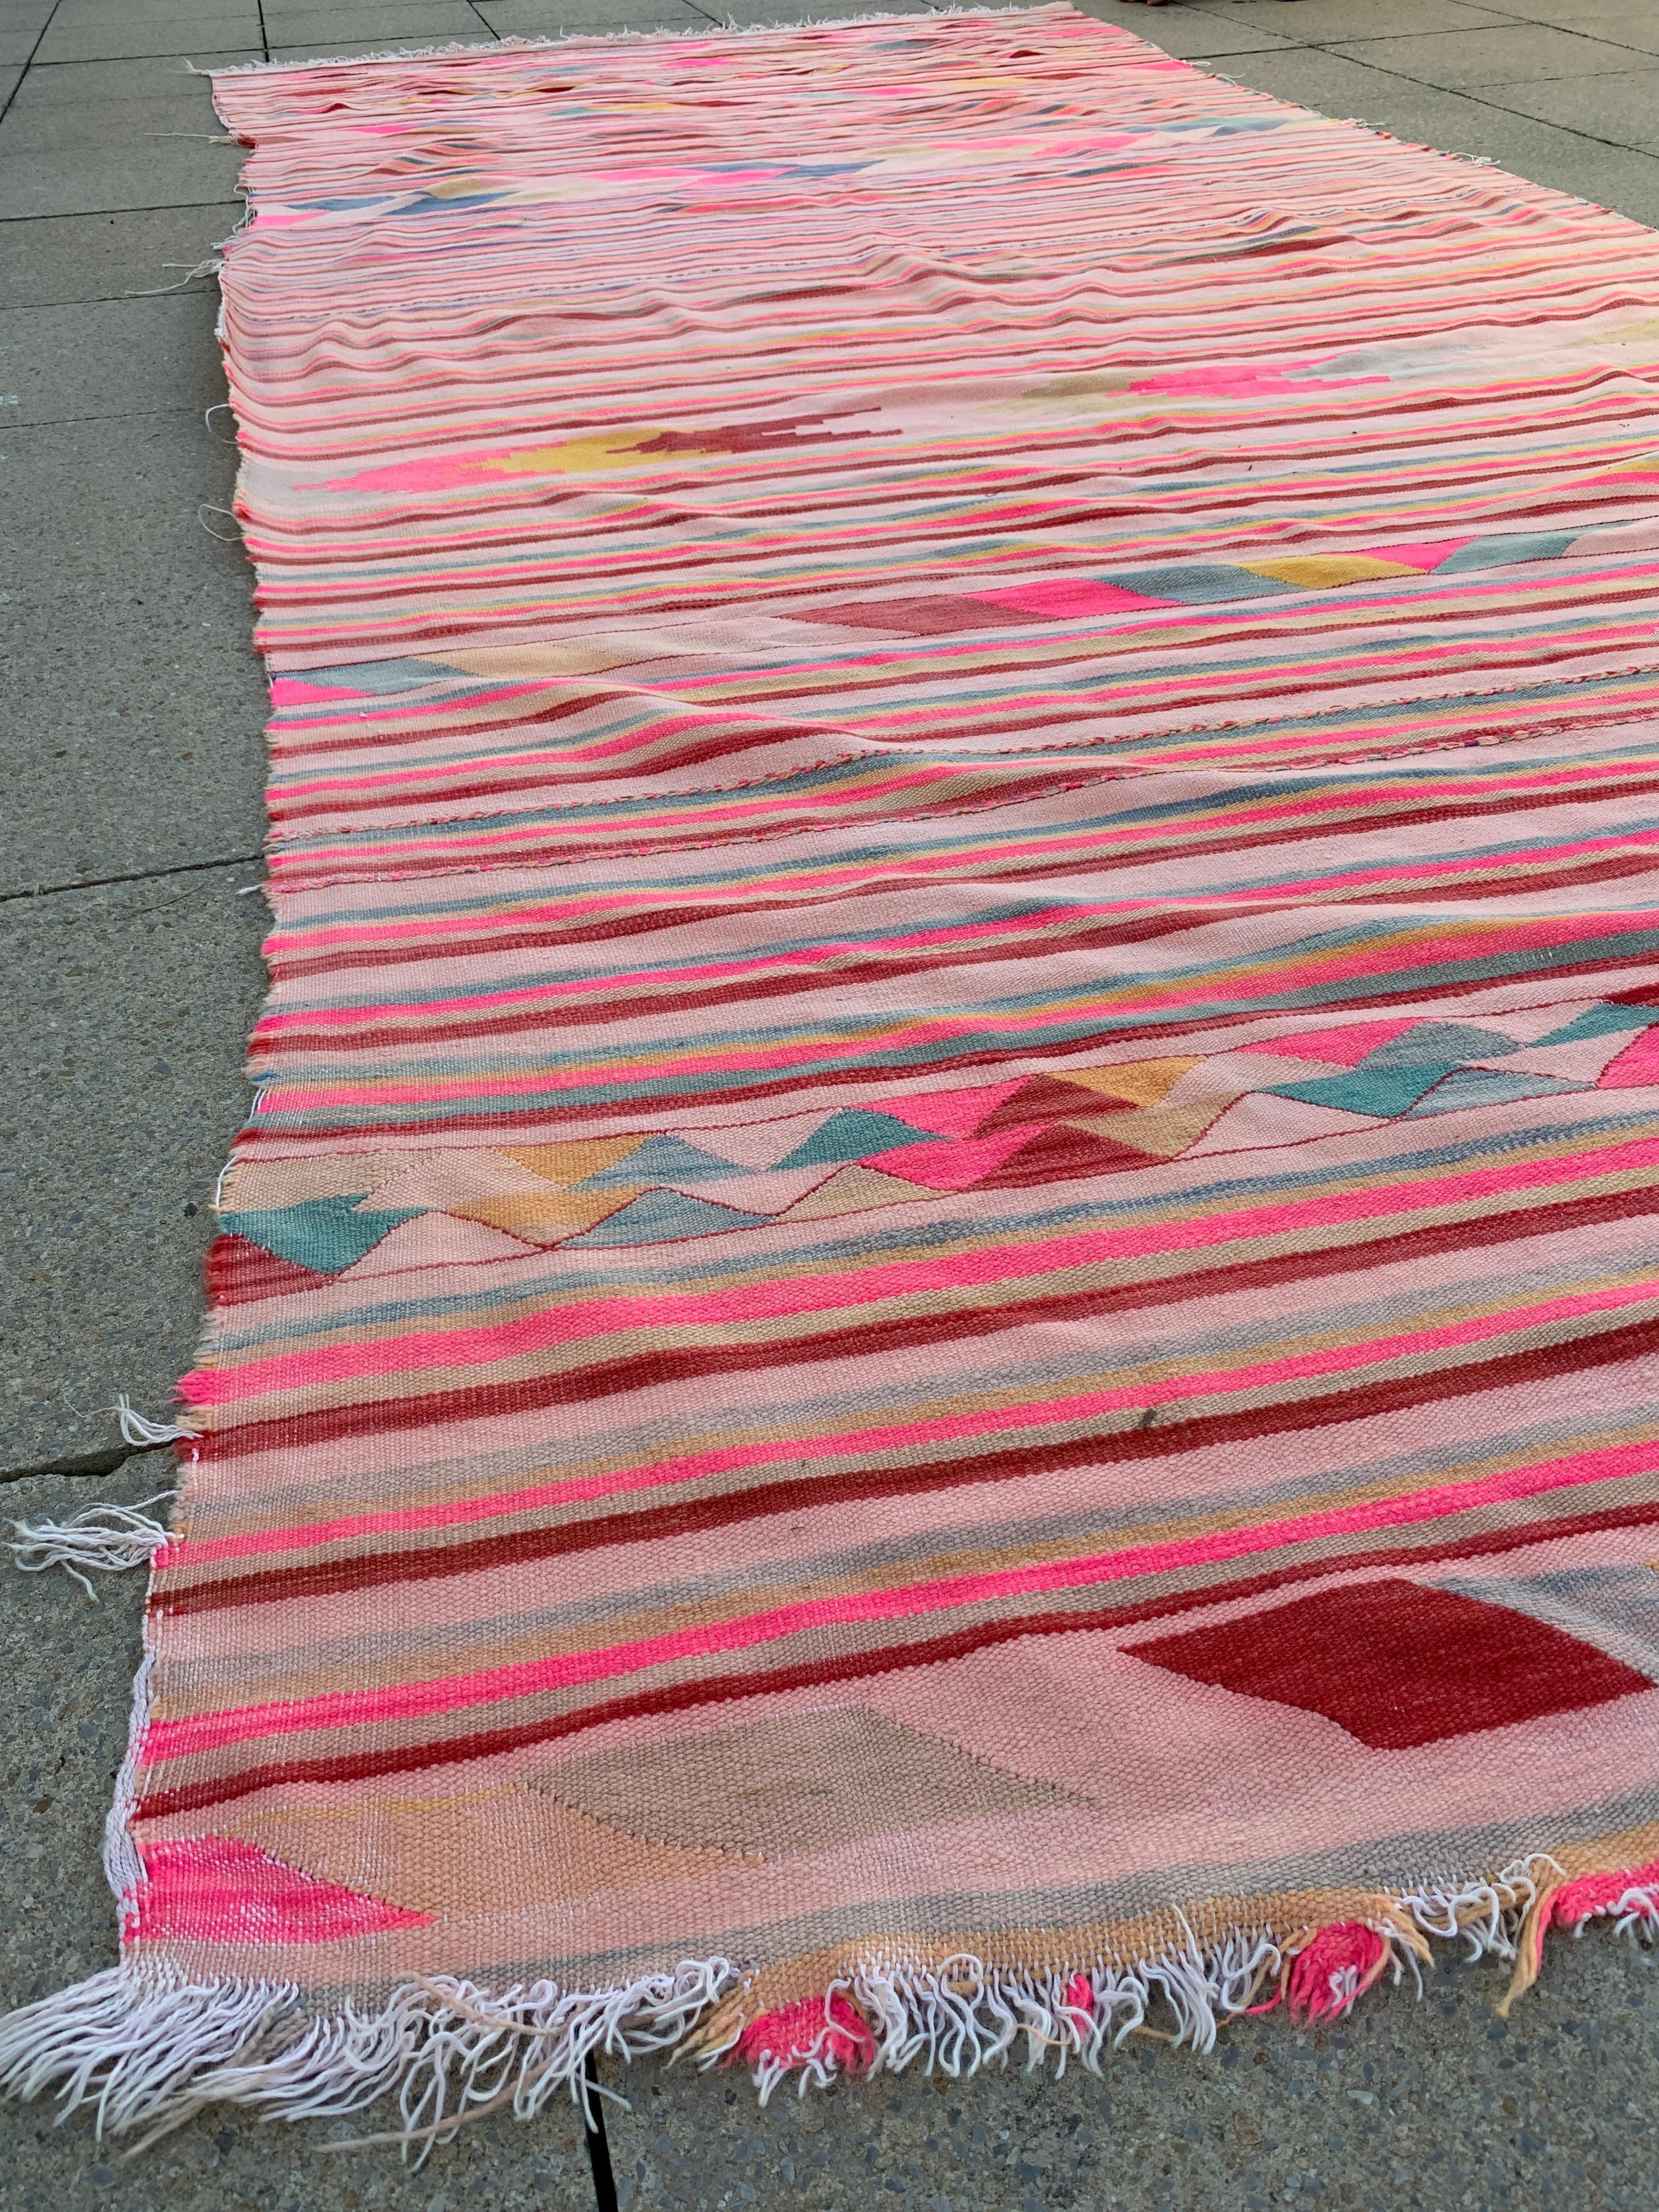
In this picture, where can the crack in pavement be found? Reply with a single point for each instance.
(135, 876)
(81, 1463)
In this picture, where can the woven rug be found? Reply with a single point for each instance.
(935, 1335)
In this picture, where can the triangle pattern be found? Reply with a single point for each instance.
(753, 1145)
(1164, 1130)
(1486, 1086)
(1061, 1153)
(1045, 1098)
(852, 1134)
(1529, 1024)
(949, 1113)
(948, 1167)
(262, 1185)
(1438, 1044)
(547, 1217)
(438, 1240)
(1635, 1066)
(1384, 1092)
(662, 1216)
(449, 1181)
(1268, 1117)
(854, 1190)
(1227, 1075)
(659, 1160)
(565, 1164)
(1347, 1046)
(326, 1234)
(1141, 1082)
(1602, 1019)
(1581, 1062)
(765, 1191)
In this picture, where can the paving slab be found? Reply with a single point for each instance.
(1623, 109)
(101, 358)
(55, 261)
(150, 169)
(135, 746)
(450, 19)
(554, 19)
(1612, 177)
(334, 50)
(164, 77)
(121, 1086)
(74, 14)
(1462, 61)
(1190, 34)
(1315, 22)
(548, 19)
(740, 13)
(1621, 22)
(25, 21)
(104, 515)
(136, 37)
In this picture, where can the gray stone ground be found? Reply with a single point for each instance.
(131, 758)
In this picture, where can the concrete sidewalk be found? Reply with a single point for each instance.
(133, 758)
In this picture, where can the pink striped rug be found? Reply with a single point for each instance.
(934, 1336)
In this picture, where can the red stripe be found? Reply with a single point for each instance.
(693, 1363)
(851, 1667)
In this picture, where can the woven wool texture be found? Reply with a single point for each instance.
(942, 1291)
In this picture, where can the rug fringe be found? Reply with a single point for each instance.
(711, 30)
(147, 2053)
(105, 1540)
(136, 1429)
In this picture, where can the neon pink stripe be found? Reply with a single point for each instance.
(1333, 1360)
(168, 1740)
(774, 1301)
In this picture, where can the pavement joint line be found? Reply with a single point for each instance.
(134, 876)
(82, 215)
(111, 300)
(126, 415)
(5, 104)
(1477, 96)
(90, 214)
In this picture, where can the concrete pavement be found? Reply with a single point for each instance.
(131, 760)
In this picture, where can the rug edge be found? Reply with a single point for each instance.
(148, 2051)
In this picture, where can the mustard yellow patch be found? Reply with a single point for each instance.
(577, 457)
(1144, 1081)
(564, 1164)
(536, 660)
(545, 1220)
(1320, 571)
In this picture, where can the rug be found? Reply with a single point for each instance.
(934, 1338)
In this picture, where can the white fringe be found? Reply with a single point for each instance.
(105, 1540)
(1487, 1915)
(149, 2053)
(519, 45)
(136, 1429)
(124, 1870)
(146, 2052)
